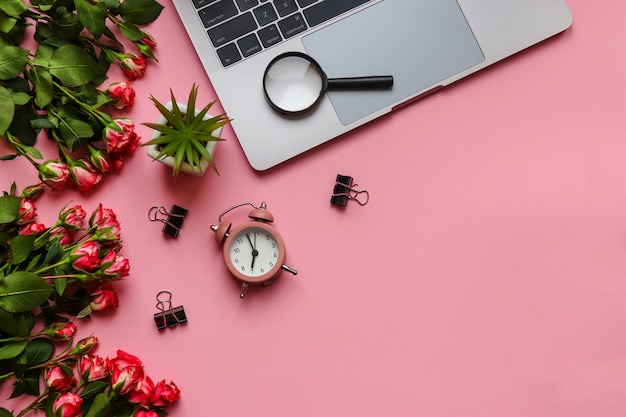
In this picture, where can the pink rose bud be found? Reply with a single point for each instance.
(92, 368)
(132, 65)
(126, 371)
(72, 217)
(85, 345)
(148, 39)
(67, 405)
(27, 212)
(54, 174)
(85, 257)
(165, 394)
(146, 413)
(62, 331)
(102, 216)
(122, 94)
(119, 135)
(84, 175)
(104, 299)
(63, 235)
(115, 266)
(58, 380)
(33, 191)
(32, 228)
(99, 160)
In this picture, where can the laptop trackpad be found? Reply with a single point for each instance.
(420, 43)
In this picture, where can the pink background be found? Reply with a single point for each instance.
(486, 276)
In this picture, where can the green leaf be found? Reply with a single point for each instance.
(93, 388)
(140, 12)
(9, 205)
(21, 98)
(131, 31)
(74, 128)
(43, 86)
(23, 291)
(7, 110)
(13, 325)
(12, 62)
(92, 15)
(27, 383)
(100, 406)
(13, 7)
(5, 413)
(73, 66)
(6, 23)
(21, 247)
(38, 351)
(13, 349)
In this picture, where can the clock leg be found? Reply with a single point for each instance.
(244, 288)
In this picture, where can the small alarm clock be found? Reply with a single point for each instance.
(254, 252)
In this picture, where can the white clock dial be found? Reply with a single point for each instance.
(254, 252)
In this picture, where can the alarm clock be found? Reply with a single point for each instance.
(254, 252)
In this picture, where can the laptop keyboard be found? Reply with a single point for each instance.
(239, 29)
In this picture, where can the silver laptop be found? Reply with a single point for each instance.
(424, 44)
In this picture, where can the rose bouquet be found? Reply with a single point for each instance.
(54, 86)
(47, 276)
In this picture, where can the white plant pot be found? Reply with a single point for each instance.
(153, 151)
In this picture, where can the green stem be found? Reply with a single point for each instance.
(34, 404)
(101, 117)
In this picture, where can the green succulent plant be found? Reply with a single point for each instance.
(185, 134)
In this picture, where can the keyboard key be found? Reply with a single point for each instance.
(229, 54)
(304, 3)
(265, 14)
(217, 12)
(285, 7)
(292, 25)
(269, 36)
(232, 29)
(249, 45)
(201, 3)
(246, 4)
(326, 10)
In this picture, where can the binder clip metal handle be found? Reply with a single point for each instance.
(172, 220)
(168, 316)
(345, 190)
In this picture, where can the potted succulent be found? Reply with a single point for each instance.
(185, 137)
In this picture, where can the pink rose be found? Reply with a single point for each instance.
(85, 345)
(72, 217)
(62, 331)
(146, 413)
(102, 216)
(67, 405)
(63, 235)
(85, 257)
(32, 228)
(147, 39)
(165, 394)
(84, 175)
(58, 380)
(122, 94)
(126, 371)
(104, 299)
(142, 392)
(54, 174)
(115, 266)
(132, 65)
(92, 368)
(119, 135)
(27, 212)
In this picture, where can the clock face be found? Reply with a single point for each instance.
(255, 253)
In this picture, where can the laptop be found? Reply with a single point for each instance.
(424, 44)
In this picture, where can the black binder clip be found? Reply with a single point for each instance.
(168, 316)
(345, 190)
(173, 220)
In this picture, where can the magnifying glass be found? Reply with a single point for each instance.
(294, 83)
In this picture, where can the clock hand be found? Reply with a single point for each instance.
(255, 252)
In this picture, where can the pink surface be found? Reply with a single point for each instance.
(486, 276)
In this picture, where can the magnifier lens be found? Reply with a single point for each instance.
(293, 84)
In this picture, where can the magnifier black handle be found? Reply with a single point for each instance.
(376, 81)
